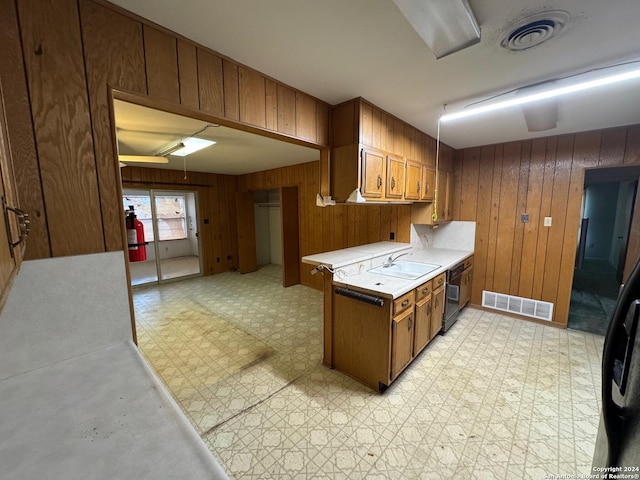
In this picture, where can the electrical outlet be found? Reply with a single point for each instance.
(392, 236)
(524, 218)
(547, 221)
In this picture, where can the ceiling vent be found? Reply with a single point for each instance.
(534, 30)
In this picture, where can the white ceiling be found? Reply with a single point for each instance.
(144, 131)
(338, 50)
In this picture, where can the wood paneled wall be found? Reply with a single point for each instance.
(60, 121)
(330, 228)
(543, 177)
(216, 205)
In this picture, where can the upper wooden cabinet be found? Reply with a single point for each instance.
(372, 164)
(428, 186)
(440, 202)
(360, 134)
(395, 177)
(414, 182)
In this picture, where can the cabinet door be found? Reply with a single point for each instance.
(395, 177)
(413, 185)
(401, 342)
(10, 258)
(465, 287)
(428, 184)
(438, 311)
(372, 173)
(422, 329)
(443, 182)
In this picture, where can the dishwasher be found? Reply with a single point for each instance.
(452, 304)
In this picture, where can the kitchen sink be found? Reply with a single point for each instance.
(404, 269)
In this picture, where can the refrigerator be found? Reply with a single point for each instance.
(618, 442)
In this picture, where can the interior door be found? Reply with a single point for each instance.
(290, 236)
(246, 232)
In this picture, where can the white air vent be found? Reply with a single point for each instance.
(521, 306)
(535, 29)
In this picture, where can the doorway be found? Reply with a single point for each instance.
(169, 219)
(608, 203)
(268, 231)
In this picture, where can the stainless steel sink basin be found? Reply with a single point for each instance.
(404, 269)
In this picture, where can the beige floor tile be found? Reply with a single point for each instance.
(494, 398)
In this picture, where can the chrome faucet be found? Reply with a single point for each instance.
(392, 259)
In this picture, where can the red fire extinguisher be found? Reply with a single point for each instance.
(135, 237)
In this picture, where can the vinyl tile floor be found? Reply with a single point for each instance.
(495, 398)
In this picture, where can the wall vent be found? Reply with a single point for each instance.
(521, 306)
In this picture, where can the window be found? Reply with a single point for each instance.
(171, 215)
(142, 206)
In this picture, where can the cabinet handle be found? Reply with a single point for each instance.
(24, 225)
(410, 324)
(418, 187)
(428, 309)
(426, 188)
(405, 303)
(393, 183)
(425, 291)
(379, 182)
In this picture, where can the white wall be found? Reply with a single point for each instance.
(263, 238)
(268, 227)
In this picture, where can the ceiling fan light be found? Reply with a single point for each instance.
(142, 159)
(446, 26)
(191, 145)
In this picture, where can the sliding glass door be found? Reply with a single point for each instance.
(170, 223)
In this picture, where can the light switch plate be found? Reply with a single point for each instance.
(547, 221)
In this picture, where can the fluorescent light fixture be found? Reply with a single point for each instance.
(446, 26)
(170, 149)
(556, 88)
(142, 159)
(191, 145)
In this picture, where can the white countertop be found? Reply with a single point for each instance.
(347, 256)
(101, 415)
(393, 287)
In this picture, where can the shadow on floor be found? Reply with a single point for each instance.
(593, 297)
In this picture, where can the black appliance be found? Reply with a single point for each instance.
(452, 304)
(618, 443)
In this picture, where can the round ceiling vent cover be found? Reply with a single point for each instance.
(534, 30)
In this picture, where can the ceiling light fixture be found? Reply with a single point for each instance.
(553, 88)
(191, 145)
(142, 159)
(170, 150)
(446, 26)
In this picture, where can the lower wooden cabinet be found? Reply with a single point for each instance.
(422, 328)
(374, 339)
(401, 342)
(466, 282)
(438, 310)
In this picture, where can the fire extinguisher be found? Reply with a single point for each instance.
(135, 237)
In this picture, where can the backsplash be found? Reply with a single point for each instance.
(452, 235)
